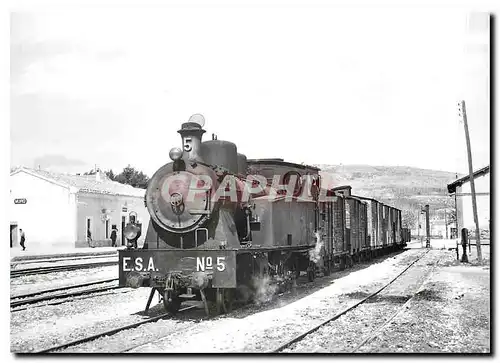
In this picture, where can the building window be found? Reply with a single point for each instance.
(107, 229)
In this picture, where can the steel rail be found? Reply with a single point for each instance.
(31, 269)
(50, 260)
(110, 332)
(62, 301)
(21, 258)
(335, 317)
(24, 296)
(45, 270)
(14, 304)
(374, 333)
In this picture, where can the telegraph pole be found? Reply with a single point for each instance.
(418, 234)
(427, 227)
(456, 212)
(446, 222)
(463, 114)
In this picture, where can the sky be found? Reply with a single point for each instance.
(315, 85)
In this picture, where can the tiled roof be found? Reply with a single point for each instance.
(89, 183)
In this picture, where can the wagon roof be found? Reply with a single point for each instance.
(277, 161)
(374, 200)
(367, 198)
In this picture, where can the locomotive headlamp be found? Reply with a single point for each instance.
(175, 154)
(130, 231)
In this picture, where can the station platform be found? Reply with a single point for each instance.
(34, 253)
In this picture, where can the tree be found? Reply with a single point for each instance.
(451, 216)
(110, 174)
(133, 177)
(409, 219)
(92, 172)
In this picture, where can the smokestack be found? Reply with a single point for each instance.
(191, 134)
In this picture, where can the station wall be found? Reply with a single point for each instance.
(48, 216)
(104, 211)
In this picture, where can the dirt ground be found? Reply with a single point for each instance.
(449, 314)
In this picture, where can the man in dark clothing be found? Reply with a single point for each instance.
(23, 239)
(113, 236)
(89, 237)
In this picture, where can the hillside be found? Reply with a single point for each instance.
(403, 187)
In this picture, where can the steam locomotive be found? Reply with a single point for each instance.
(223, 225)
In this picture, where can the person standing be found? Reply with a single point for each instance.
(89, 237)
(114, 233)
(23, 239)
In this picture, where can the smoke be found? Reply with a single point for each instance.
(199, 280)
(315, 254)
(264, 290)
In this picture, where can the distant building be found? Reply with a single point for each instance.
(57, 210)
(460, 188)
(438, 229)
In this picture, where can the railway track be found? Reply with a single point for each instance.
(45, 270)
(59, 301)
(28, 299)
(51, 260)
(110, 332)
(25, 296)
(301, 336)
(376, 332)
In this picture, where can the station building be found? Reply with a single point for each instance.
(57, 210)
(461, 190)
(439, 229)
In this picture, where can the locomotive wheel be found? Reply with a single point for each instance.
(310, 276)
(296, 268)
(171, 301)
(326, 268)
(224, 300)
(290, 272)
(297, 273)
(311, 272)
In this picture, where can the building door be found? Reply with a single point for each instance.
(123, 228)
(13, 234)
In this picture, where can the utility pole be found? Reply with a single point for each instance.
(418, 233)
(456, 212)
(463, 114)
(428, 227)
(445, 222)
